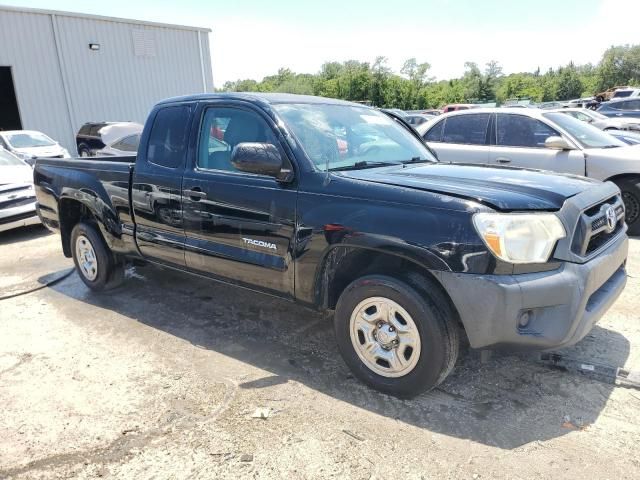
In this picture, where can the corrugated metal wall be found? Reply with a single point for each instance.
(116, 82)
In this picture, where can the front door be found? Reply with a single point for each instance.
(520, 143)
(239, 227)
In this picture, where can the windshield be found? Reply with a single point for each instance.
(585, 134)
(28, 140)
(9, 160)
(345, 136)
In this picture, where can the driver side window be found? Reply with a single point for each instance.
(222, 129)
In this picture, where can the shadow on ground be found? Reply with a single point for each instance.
(18, 235)
(506, 402)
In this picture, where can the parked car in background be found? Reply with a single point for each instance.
(108, 139)
(609, 93)
(457, 106)
(626, 93)
(540, 139)
(601, 121)
(428, 111)
(29, 144)
(17, 196)
(625, 107)
(627, 136)
(416, 119)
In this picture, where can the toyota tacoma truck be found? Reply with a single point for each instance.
(342, 208)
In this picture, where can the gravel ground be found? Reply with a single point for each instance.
(161, 379)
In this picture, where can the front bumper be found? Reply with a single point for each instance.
(17, 217)
(561, 305)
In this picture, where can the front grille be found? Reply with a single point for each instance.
(594, 231)
(17, 202)
(15, 218)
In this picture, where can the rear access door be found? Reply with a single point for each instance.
(156, 190)
(239, 227)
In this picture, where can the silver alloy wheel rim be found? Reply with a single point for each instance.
(385, 337)
(87, 261)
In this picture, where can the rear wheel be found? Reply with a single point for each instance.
(84, 151)
(97, 266)
(395, 338)
(630, 188)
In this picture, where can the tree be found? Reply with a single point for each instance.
(380, 75)
(412, 87)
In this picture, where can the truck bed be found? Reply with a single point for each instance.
(102, 184)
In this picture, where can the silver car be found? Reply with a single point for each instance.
(601, 121)
(540, 139)
(17, 196)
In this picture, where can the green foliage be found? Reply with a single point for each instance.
(414, 88)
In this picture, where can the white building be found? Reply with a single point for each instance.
(59, 70)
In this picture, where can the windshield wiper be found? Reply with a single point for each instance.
(364, 164)
(416, 160)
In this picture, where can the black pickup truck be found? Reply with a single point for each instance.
(340, 207)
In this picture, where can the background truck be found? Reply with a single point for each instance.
(340, 207)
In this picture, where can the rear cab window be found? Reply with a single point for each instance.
(167, 145)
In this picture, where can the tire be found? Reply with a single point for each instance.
(84, 151)
(96, 265)
(429, 315)
(630, 188)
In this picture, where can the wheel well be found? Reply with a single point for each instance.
(622, 176)
(344, 265)
(71, 212)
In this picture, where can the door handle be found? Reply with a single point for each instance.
(503, 160)
(195, 194)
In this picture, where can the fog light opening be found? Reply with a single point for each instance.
(524, 319)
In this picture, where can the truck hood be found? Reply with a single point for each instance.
(502, 188)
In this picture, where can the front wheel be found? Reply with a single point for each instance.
(394, 337)
(630, 188)
(97, 266)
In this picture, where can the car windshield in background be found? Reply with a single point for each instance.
(587, 135)
(9, 160)
(29, 140)
(597, 115)
(344, 136)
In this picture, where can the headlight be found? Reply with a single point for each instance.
(520, 237)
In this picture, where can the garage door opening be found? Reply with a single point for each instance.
(9, 113)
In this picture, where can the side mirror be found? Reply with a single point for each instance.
(557, 143)
(258, 158)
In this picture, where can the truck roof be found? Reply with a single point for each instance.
(261, 97)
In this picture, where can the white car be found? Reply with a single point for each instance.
(17, 196)
(539, 139)
(601, 121)
(30, 144)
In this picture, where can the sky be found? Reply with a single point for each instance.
(253, 38)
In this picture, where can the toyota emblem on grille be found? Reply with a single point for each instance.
(612, 218)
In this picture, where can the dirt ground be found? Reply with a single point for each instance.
(161, 379)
